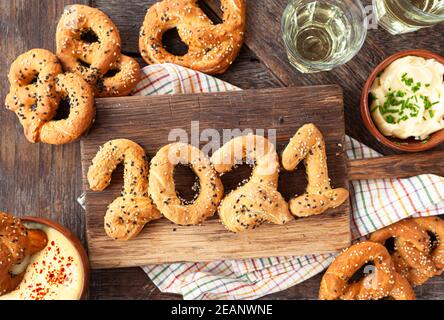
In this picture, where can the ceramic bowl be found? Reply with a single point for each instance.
(76, 243)
(407, 145)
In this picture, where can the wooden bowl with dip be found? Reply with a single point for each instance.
(410, 144)
(69, 251)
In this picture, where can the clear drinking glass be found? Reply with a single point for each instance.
(402, 16)
(322, 34)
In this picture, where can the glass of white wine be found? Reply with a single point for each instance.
(402, 16)
(322, 34)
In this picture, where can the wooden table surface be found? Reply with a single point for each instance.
(43, 180)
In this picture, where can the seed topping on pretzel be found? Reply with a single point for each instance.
(128, 214)
(37, 88)
(91, 57)
(17, 243)
(163, 191)
(258, 201)
(381, 282)
(211, 48)
(308, 144)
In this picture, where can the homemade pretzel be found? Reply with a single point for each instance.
(163, 191)
(37, 88)
(412, 245)
(382, 282)
(17, 244)
(126, 74)
(90, 58)
(402, 290)
(308, 144)
(258, 201)
(128, 214)
(211, 48)
(32, 95)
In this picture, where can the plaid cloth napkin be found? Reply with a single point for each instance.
(375, 204)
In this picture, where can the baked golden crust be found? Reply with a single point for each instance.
(88, 59)
(211, 48)
(382, 282)
(308, 144)
(127, 76)
(163, 191)
(402, 290)
(414, 257)
(37, 88)
(16, 243)
(81, 111)
(127, 215)
(32, 95)
(258, 201)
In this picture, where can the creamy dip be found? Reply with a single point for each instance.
(55, 273)
(407, 99)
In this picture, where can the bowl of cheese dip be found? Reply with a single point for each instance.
(59, 272)
(402, 102)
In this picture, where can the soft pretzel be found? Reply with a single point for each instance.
(128, 214)
(211, 48)
(81, 111)
(402, 290)
(258, 201)
(90, 59)
(32, 95)
(163, 191)
(435, 225)
(382, 282)
(16, 244)
(37, 88)
(412, 256)
(308, 144)
(126, 74)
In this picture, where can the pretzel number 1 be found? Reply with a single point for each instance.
(308, 144)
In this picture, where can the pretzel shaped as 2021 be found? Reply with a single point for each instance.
(90, 58)
(382, 282)
(258, 201)
(36, 90)
(308, 144)
(128, 214)
(163, 191)
(211, 48)
(17, 243)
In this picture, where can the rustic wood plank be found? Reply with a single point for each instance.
(36, 179)
(30, 23)
(264, 39)
(148, 120)
(397, 166)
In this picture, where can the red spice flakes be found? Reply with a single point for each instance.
(55, 271)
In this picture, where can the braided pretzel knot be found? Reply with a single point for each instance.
(258, 201)
(98, 62)
(37, 87)
(414, 259)
(128, 214)
(308, 144)
(163, 191)
(16, 245)
(211, 48)
(381, 283)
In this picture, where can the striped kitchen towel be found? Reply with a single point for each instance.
(375, 204)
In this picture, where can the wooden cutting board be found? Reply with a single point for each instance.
(149, 120)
